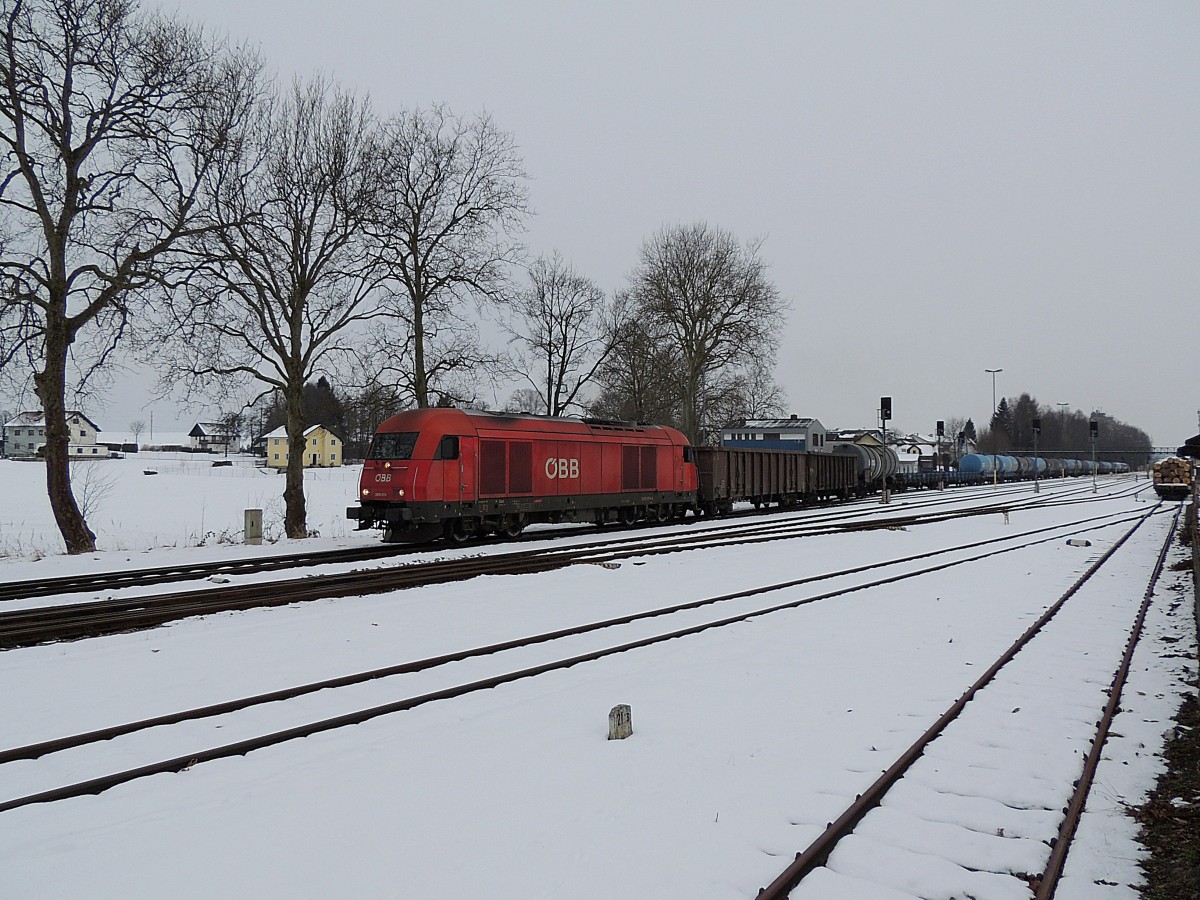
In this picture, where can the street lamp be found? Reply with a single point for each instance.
(995, 475)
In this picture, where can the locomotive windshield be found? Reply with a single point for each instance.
(393, 445)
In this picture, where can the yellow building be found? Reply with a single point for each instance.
(322, 448)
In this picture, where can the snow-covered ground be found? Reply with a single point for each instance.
(188, 504)
(747, 739)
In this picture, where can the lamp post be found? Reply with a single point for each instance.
(995, 475)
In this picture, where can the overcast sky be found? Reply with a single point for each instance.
(943, 188)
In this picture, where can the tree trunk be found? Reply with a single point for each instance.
(420, 384)
(688, 414)
(295, 517)
(50, 385)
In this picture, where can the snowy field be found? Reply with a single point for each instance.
(188, 504)
(747, 739)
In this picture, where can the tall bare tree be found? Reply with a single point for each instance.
(110, 121)
(561, 334)
(455, 196)
(710, 297)
(288, 272)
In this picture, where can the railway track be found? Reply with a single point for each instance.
(799, 879)
(107, 582)
(88, 619)
(117, 580)
(673, 622)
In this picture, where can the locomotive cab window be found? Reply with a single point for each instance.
(447, 448)
(394, 445)
(689, 453)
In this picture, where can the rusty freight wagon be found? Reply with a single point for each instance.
(730, 475)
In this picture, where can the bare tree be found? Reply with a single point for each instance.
(559, 326)
(110, 120)
(639, 379)
(233, 425)
(94, 483)
(455, 194)
(136, 427)
(749, 393)
(710, 298)
(456, 368)
(287, 274)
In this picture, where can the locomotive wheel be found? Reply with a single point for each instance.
(662, 514)
(629, 515)
(512, 527)
(456, 532)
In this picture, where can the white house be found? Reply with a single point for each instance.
(26, 435)
(212, 437)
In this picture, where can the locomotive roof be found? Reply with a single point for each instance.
(498, 418)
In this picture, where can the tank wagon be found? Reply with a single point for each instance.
(786, 477)
(462, 473)
(875, 465)
(978, 468)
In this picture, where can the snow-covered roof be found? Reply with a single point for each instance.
(209, 429)
(37, 419)
(773, 424)
(281, 431)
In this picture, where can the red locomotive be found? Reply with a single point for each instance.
(463, 473)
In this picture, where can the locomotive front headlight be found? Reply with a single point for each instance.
(387, 465)
(400, 492)
(366, 493)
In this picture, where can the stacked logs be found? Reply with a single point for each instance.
(1173, 474)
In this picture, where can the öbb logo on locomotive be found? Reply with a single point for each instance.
(562, 468)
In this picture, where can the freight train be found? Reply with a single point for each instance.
(458, 474)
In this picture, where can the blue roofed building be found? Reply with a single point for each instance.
(792, 433)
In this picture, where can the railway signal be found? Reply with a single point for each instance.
(939, 463)
(885, 413)
(1037, 429)
(1094, 432)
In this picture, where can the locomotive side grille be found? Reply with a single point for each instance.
(492, 467)
(520, 467)
(639, 468)
(631, 469)
(649, 468)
